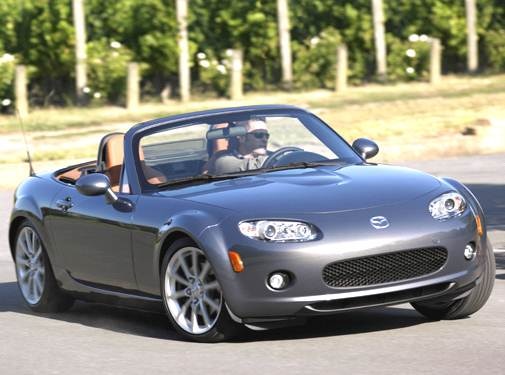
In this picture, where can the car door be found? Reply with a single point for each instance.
(93, 239)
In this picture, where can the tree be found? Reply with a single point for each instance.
(80, 49)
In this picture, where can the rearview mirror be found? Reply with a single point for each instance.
(365, 147)
(96, 184)
(93, 184)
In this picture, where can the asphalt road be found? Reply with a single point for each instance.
(93, 338)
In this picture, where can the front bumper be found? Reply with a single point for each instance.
(251, 300)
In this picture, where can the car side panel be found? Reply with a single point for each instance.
(156, 218)
(94, 239)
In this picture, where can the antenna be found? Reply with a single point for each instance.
(32, 172)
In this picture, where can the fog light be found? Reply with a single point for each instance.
(278, 280)
(469, 252)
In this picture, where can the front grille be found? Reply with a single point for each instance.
(384, 268)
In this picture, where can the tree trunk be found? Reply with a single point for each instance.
(236, 91)
(380, 38)
(80, 51)
(435, 61)
(341, 70)
(285, 42)
(182, 40)
(472, 39)
(133, 88)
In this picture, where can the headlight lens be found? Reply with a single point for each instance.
(447, 205)
(279, 231)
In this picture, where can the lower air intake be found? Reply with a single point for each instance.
(384, 268)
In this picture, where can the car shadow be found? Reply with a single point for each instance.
(117, 319)
(343, 324)
(157, 326)
(500, 265)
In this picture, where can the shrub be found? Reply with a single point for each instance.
(315, 58)
(107, 70)
(407, 60)
(7, 63)
(494, 44)
(213, 71)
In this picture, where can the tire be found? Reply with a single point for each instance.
(34, 273)
(194, 301)
(468, 305)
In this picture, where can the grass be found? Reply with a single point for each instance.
(396, 114)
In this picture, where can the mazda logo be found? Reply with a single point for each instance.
(379, 222)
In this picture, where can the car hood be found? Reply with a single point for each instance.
(313, 190)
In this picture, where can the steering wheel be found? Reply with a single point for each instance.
(277, 155)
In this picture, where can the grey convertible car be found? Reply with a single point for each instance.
(255, 216)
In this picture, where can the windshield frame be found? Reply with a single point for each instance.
(150, 128)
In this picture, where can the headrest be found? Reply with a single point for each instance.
(110, 150)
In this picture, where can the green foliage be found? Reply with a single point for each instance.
(407, 61)
(495, 49)
(107, 70)
(213, 72)
(46, 42)
(40, 33)
(314, 60)
(219, 25)
(492, 32)
(7, 62)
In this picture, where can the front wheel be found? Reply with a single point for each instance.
(34, 273)
(468, 305)
(192, 295)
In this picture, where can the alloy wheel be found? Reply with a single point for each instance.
(30, 266)
(193, 294)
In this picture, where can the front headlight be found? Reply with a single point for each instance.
(447, 205)
(279, 231)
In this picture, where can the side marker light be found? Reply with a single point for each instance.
(236, 261)
(480, 231)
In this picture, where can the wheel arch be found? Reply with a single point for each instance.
(13, 230)
(17, 220)
(169, 239)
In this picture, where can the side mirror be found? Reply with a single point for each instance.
(365, 147)
(96, 184)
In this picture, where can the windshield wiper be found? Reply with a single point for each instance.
(202, 178)
(303, 164)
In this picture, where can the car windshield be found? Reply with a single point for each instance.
(220, 146)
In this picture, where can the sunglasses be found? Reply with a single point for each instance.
(259, 135)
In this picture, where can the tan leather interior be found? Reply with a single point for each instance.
(220, 144)
(152, 175)
(113, 158)
(72, 175)
(110, 162)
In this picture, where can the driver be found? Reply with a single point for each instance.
(250, 153)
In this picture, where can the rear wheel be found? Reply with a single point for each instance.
(192, 295)
(34, 273)
(467, 305)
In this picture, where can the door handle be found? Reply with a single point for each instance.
(64, 204)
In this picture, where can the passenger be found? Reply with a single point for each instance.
(250, 151)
